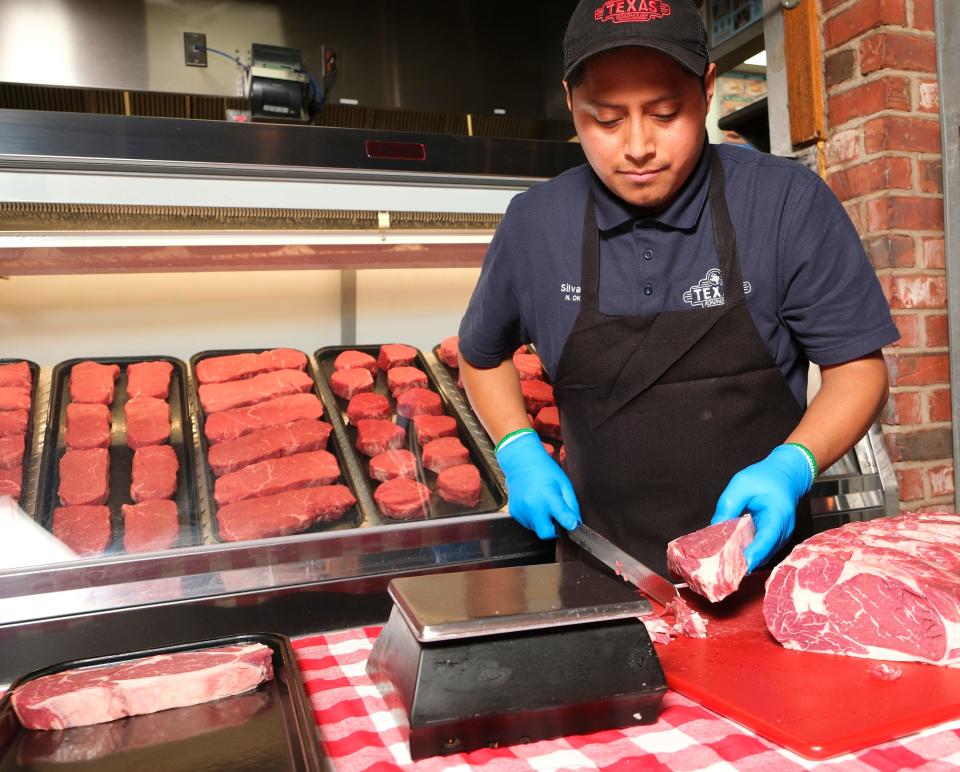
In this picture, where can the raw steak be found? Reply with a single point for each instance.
(549, 448)
(399, 380)
(547, 423)
(276, 476)
(368, 405)
(16, 374)
(881, 589)
(562, 455)
(151, 525)
(395, 355)
(377, 436)
(346, 383)
(12, 448)
(393, 463)
(447, 353)
(154, 473)
(215, 397)
(444, 453)
(85, 477)
(88, 426)
(529, 367)
(233, 424)
(148, 421)
(96, 695)
(149, 379)
(298, 437)
(233, 367)
(536, 395)
(433, 427)
(10, 481)
(290, 512)
(522, 349)
(419, 402)
(403, 499)
(84, 529)
(13, 422)
(93, 382)
(349, 359)
(14, 398)
(460, 485)
(711, 560)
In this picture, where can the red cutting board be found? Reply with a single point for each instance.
(817, 705)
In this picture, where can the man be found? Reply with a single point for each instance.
(676, 292)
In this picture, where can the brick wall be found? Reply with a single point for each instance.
(883, 161)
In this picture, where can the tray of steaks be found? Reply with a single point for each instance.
(117, 471)
(542, 411)
(273, 467)
(418, 458)
(234, 703)
(18, 399)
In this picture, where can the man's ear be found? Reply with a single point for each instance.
(566, 89)
(709, 82)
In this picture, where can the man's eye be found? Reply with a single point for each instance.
(608, 123)
(666, 116)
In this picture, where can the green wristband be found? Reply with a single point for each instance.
(814, 469)
(509, 436)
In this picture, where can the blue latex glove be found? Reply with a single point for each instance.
(769, 490)
(539, 490)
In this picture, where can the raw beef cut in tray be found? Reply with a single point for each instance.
(447, 352)
(13, 422)
(276, 476)
(403, 499)
(284, 513)
(147, 422)
(711, 560)
(346, 383)
(95, 695)
(150, 525)
(296, 437)
(460, 484)
(16, 374)
(85, 529)
(419, 402)
(378, 436)
(233, 367)
(149, 379)
(11, 480)
(215, 397)
(233, 424)
(529, 367)
(547, 423)
(444, 453)
(350, 359)
(396, 355)
(88, 426)
(154, 473)
(393, 463)
(14, 398)
(85, 477)
(12, 448)
(536, 395)
(368, 405)
(432, 427)
(401, 379)
(93, 382)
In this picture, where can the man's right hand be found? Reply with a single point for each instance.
(539, 490)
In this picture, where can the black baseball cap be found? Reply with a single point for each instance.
(674, 27)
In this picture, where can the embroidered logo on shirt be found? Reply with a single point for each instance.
(570, 292)
(620, 11)
(708, 291)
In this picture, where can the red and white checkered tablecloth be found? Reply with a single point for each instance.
(359, 733)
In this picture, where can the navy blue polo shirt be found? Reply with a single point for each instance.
(810, 289)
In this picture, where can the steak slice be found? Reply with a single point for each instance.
(95, 695)
(276, 476)
(529, 367)
(404, 378)
(347, 360)
(346, 383)
(378, 436)
(16, 374)
(85, 477)
(283, 513)
(12, 448)
(419, 402)
(392, 464)
(368, 405)
(433, 427)
(536, 395)
(234, 367)
(711, 560)
(93, 382)
(154, 473)
(396, 355)
(147, 422)
(403, 499)
(447, 353)
(14, 398)
(150, 525)
(551, 451)
(13, 422)
(10, 481)
(233, 424)
(149, 379)
(881, 589)
(215, 397)
(88, 426)
(547, 423)
(84, 529)
(444, 453)
(297, 437)
(460, 484)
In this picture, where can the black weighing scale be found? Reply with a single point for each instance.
(500, 656)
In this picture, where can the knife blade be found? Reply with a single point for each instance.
(624, 565)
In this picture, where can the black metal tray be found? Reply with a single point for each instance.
(28, 459)
(492, 495)
(121, 456)
(270, 727)
(351, 518)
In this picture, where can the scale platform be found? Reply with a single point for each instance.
(511, 655)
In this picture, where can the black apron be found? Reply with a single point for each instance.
(659, 411)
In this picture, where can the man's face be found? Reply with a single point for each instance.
(640, 118)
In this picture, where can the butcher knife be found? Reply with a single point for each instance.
(649, 582)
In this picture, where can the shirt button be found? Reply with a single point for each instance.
(648, 254)
(648, 290)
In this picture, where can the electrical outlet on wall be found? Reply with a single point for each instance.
(195, 49)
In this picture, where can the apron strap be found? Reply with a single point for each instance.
(723, 234)
(590, 261)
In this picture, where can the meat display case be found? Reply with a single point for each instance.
(90, 194)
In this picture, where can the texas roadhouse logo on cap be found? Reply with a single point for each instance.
(620, 11)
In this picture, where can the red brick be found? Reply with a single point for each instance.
(890, 251)
(903, 408)
(855, 213)
(908, 325)
(911, 484)
(839, 67)
(887, 173)
(843, 146)
(869, 98)
(917, 291)
(934, 254)
(897, 132)
(930, 174)
(896, 51)
(862, 16)
(941, 480)
(938, 406)
(928, 96)
(935, 332)
(918, 369)
(923, 17)
(920, 444)
(905, 213)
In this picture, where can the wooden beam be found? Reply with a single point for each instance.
(801, 28)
